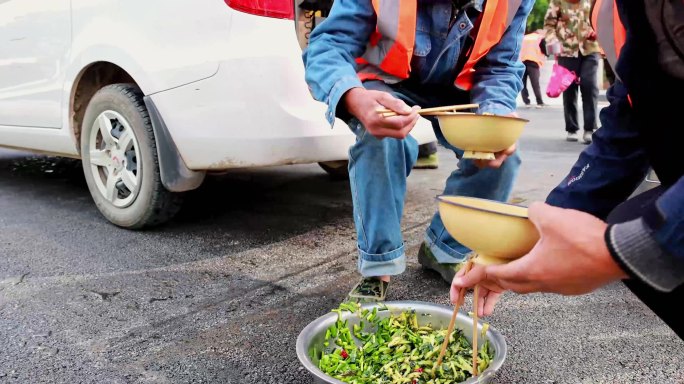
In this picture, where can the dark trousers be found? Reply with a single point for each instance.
(664, 304)
(585, 67)
(531, 72)
(427, 149)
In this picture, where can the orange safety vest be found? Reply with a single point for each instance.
(389, 52)
(610, 32)
(531, 51)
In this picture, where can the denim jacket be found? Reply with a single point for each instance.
(343, 36)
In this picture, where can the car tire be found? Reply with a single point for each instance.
(120, 162)
(338, 170)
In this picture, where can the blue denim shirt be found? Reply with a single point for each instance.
(344, 35)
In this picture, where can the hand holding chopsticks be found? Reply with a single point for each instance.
(459, 303)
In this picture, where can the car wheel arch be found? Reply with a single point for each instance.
(89, 80)
(176, 176)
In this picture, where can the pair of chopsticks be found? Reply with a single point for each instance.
(430, 111)
(450, 329)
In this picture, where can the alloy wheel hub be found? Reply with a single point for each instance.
(114, 155)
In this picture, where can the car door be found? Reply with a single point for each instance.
(35, 37)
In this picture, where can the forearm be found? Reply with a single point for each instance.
(333, 47)
(651, 248)
(498, 76)
(611, 168)
(551, 22)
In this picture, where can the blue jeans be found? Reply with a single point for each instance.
(378, 170)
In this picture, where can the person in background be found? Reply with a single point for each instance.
(594, 229)
(400, 55)
(533, 55)
(567, 22)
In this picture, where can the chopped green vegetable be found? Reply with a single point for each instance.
(395, 349)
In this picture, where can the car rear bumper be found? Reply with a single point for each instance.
(249, 116)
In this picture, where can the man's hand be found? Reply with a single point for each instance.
(500, 157)
(591, 35)
(489, 292)
(571, 258)
(363, 104)
(499, 160)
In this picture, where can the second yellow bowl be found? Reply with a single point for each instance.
(497, 232)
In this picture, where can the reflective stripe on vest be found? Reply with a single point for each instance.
(390, 48)
(531, 51)
(497, 16)
(610, 32)
(389, 52)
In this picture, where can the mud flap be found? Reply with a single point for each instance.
(175, 175)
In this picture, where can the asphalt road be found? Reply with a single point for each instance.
(220, 294)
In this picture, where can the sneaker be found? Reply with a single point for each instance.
(540, 106)
(430, 162)
(428, 261)
(572, 136)
(586, 139)
(369, 289)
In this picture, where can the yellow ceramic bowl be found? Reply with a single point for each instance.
(480, 136)
(497, 232)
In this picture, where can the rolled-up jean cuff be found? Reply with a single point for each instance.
(384, 264)
(442, 252)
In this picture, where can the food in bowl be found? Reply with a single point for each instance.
(395, 349)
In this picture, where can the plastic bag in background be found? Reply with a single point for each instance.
(561, 79)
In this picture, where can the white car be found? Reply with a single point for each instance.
(153, 94)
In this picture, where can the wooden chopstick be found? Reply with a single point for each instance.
(459, 303)
(476, 292)
(388, 112)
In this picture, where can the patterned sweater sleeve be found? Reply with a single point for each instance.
(551, 21)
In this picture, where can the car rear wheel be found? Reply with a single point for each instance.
(120, 161)
(338, 170)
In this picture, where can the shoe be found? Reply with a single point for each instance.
(429, 162)
(428, 261)
(587, 138)
(369, 289)
(572, 136)
(540, 106)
